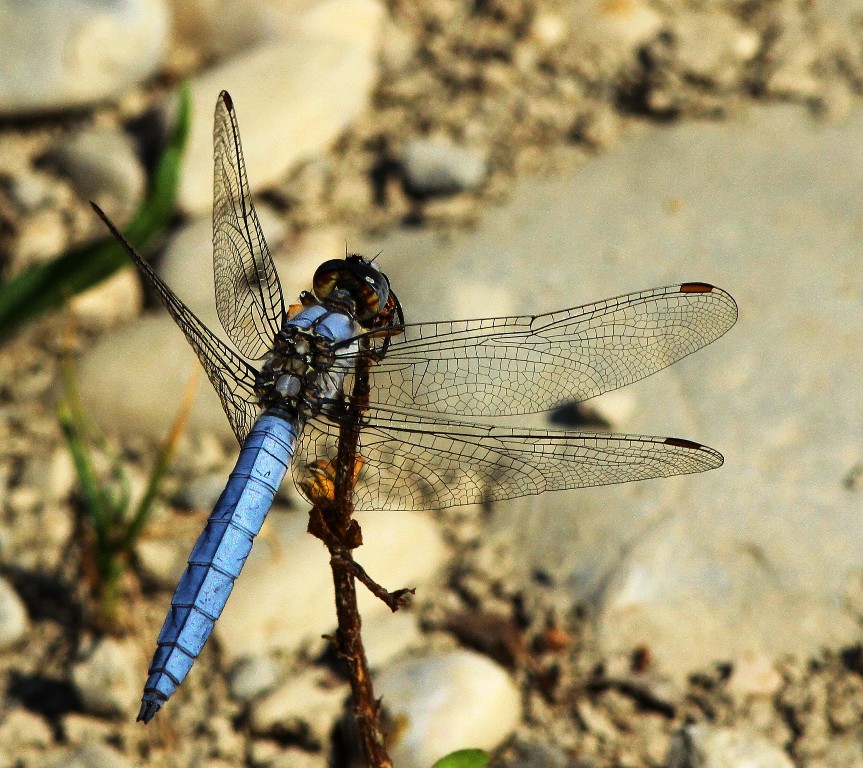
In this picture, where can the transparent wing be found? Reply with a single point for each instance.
(415, 463)
(248, 293)
(232, 377)
(515, 365)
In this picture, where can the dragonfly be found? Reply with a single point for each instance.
(417, 399)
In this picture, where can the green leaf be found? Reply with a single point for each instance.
(464, 758)
(47, 286)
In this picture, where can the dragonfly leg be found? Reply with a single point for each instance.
(393, 600)
(332, 532)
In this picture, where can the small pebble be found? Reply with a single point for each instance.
(21, 728)
(705, 746)
(92, 756)
(108, 681)
(302, 705)
(102, 165)
(13, 616)
(253, 676)
(448, 701)
(434, 167)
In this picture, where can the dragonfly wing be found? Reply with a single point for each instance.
(414, 463)
(248, 293)
(515, 365)
(231, 376)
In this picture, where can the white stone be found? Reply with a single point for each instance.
(133, 379)
(713, 46)
(754, 674)
(102, 165)
(434, 167)
(253, 676)
(284, 597)
(89, 52)
(187, 262)
(92, 756)
(38, 237)
(163, 561)
(291, 757)
(21, 728)
(81, 729)
(53, 475)
(549, 28)
(13, 616)
(386, 635)
(609, 35)
(449, 701)
(217, 28)
(705, 746)
(109, 679)
(293, 99)
(115, 300)
(304, 704)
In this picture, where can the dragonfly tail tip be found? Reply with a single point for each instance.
(149, 707)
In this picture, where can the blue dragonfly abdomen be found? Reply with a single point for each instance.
(223, 546)
(218, 556)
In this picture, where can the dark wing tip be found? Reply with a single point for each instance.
(226, 97)
(697, 288)
(713, 458)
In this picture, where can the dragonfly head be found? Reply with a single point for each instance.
(355, 283)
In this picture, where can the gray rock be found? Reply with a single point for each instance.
(38, 237)
(253, 676)
(448, 701)
(433, 167)
(287, 566)
(91, 51)
(609, 36)
(705, 746)
(13, 616)
(113, 301)
(713, 47)
(108, 680)
(293, 98)
(303, 705)
(92, 756)
(216, 28)
(102, 165)
(126, 385)
(162, 561)
(21, 728)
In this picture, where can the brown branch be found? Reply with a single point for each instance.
(350, 648)
(332, 521)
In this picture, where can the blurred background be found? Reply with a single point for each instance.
(502, 157)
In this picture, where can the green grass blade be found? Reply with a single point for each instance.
(464, 758)
(47, 286)
(91, 496)
(74, 427)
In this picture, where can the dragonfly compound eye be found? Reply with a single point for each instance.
(352, 280)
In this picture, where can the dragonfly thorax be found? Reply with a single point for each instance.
(302, 370)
